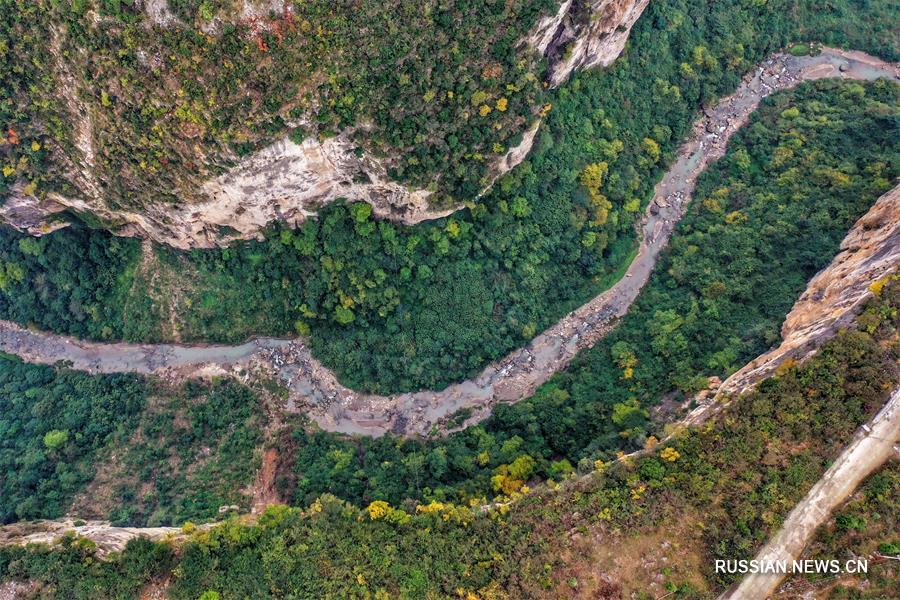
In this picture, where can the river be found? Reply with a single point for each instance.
(315, 390)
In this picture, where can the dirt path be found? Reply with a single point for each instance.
(873, 444)
(263, 488)
(316, 391)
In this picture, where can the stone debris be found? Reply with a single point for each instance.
(316, 391)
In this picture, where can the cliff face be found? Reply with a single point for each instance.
(107, 537)
(287, 181)
(584, 35)
(833, 297)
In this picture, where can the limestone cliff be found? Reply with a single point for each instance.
(107, 537)
(833, 297)
(584, 35)
(285, 181)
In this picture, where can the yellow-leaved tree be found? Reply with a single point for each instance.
(592, 180)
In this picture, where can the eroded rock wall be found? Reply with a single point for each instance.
(584, 35)
(833, 297)
(107, 537)
(286, 181)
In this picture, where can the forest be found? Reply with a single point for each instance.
(52, 424)
(194, 449)
(437, 89)
(716, 300)
(74, 282)
(787, 430)
(392, 308)
(123, 447)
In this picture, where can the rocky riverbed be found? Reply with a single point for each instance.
(315, 390)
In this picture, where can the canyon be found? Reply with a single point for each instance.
(870, 252)
(286, 181)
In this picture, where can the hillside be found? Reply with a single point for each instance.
(392, 308)
(448, 299)
(683, 503)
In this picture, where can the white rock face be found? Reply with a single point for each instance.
(545, 31)
(159, 13)
(289, 182)
(284, 182)
(261, 9)
(580, 37)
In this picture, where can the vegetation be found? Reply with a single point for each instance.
(732, 481)
(123, 447)
(194, 450)
(32, 116)
(52, 426)
(441, 89)
(865, 527)
(393, 308)
(74, 283)
(716, 300)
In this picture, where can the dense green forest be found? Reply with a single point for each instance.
(393, 308)
(726, 485)
(76, 281)
(123, 447)
(52, 426)
(717, 299)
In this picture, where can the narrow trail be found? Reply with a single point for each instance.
(315, 390)
(874, 444)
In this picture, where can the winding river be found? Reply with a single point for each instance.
(315, 391)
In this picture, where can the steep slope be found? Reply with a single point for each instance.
(583, 35)
(869, 254)
(165, 144)
(538, 234)
(560, 541)
(870, 448)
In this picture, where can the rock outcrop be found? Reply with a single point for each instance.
(584, 35)
(287, 181)
(870, 252)
(107, 537)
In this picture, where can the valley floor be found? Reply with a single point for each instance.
(316, 391)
